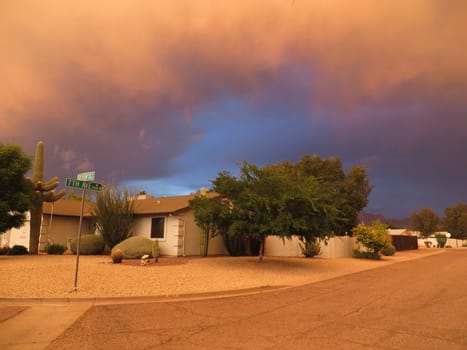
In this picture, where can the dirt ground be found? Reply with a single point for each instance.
(52, 276)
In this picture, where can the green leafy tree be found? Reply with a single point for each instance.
(15, 189)
(206, 211)
(313, 199)
(426, 222)
(113, 213)
(455, 220)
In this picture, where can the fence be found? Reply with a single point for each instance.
(404, 242)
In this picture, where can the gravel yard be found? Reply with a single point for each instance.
(52, 276)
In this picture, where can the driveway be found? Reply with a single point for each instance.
(417, 304)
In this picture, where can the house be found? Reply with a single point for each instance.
(168, 220)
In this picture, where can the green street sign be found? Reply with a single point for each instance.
(87, 176)
(83, 184)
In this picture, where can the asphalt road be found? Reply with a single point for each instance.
(418, 304)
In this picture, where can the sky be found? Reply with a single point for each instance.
(163, 95)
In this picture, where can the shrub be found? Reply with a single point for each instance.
(56, 249)
(117, 256)
(448, 246)
(428, 244)
(310, 248)
(441, 239)
(390, 250)
(374, 238)
(365, 255)
(4, 250)
(89, 245)
(464, 244)
(135, 247)
(17, 250)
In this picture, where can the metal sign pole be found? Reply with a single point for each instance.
(75, 288)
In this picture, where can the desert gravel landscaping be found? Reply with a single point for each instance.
(52, 276)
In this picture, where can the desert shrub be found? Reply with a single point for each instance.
(56, 249)
(441, 239)
(448, 246)
(89, 245)
(374, 238)
(464, 244)
(4, 250)
(365, 255)
(17, 250)
(310, 248)
(135, 247)
(428, 244)
(390, 250)
(117, 256)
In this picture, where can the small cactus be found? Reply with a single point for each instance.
(156, 253)
(117, 256)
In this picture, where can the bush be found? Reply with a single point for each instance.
(390, 250)
(448, 246)
(89, 245)
(17, 250)
(310, 248)
(374, 238)
(55, 249)
(135, 247)
(365, 255)
(4, 250)
(117, 256)
(464, 244)
(441, 239)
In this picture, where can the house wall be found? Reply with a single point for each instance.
(181, 235)
(336, 247)
(17, 236)
(192, 234)
(64, 228)
(167, 245)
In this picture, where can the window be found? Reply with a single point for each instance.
(157, 228)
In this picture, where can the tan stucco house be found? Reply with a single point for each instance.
(168, 220)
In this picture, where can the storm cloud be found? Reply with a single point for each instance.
(163, 95)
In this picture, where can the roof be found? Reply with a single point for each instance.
(68, 207)
(164, 205)
(144, 205)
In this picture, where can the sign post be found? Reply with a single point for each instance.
(83, 181)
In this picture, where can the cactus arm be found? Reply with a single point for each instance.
(38, 170)
(50, 185)
(52, 197)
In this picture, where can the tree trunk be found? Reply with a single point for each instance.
(261, 248)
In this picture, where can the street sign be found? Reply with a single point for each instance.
(83, 184)
(88, 176)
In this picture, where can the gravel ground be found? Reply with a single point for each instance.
(52, 276)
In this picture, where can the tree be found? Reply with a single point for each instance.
(426, 222)
(312, 199)
(205, 211)
(455, 220)
(114, 214)
(15, 189)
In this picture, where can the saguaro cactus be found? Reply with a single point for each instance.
(45, 192)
